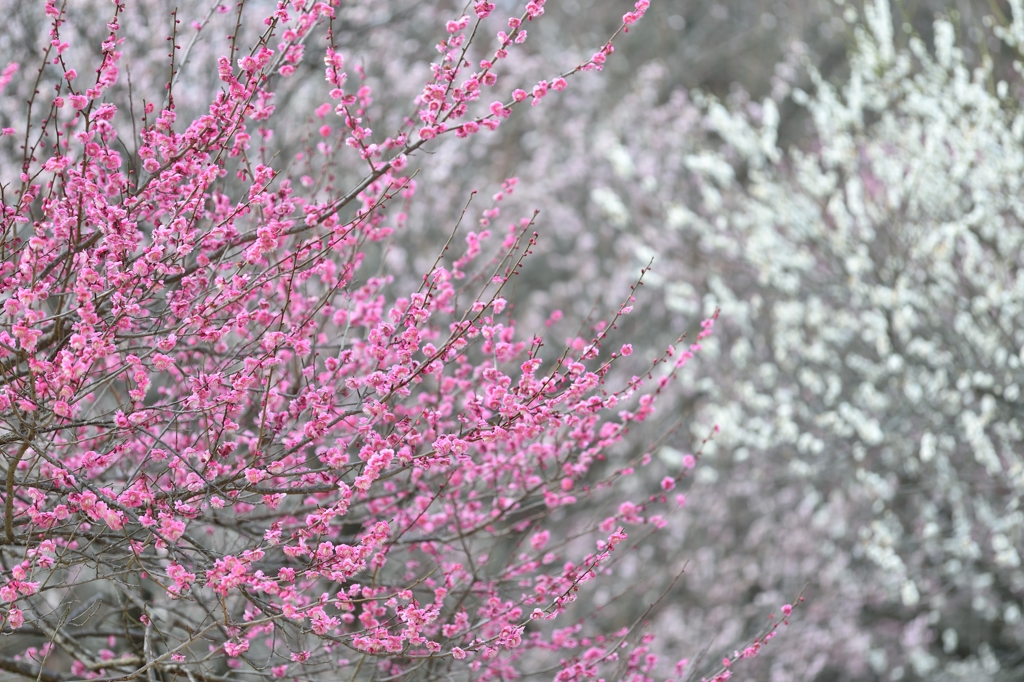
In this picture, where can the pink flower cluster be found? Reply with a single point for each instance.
(218, 406)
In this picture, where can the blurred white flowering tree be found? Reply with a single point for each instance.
(873, 300)
(869, 388)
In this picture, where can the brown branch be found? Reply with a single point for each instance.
(12, 469)
(26, 669)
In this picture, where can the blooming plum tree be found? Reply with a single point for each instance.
(233, 448)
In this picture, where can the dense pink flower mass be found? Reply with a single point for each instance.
(231, 444)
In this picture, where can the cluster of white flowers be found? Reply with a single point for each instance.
(874, 288)
(868, 375)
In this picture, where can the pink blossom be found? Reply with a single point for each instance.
(539, 91)
(15, 618)
(236, 648)
(499, 110)
(7, 74)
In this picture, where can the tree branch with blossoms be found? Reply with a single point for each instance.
(233, 452)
